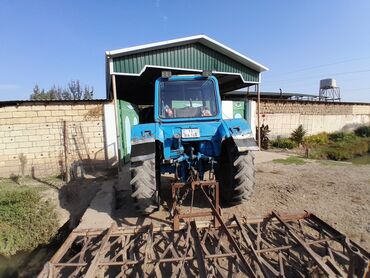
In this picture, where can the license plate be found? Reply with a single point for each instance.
(190, 133)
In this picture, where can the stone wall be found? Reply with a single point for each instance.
(32, 137)
(284, 116)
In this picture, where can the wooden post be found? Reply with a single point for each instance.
(258, 115)
(65, 143)
(115, 102)
(92, 168)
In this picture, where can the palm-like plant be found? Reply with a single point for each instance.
(298, 134)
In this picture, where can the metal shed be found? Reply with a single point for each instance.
(131, 74)
(132, 71)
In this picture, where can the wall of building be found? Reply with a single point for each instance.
(284, 116)
(32, 134)
(32, 137)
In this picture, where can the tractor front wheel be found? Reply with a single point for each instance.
(144, 186)
(236, 175)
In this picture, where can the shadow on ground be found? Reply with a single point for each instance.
(76, 195)
(127, 215)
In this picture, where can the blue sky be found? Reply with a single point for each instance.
(52, 42)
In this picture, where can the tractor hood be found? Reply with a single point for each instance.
(211, 133)
(206, 130)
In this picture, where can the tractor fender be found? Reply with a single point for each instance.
(240, 131)
(245, 143)
(143, 141)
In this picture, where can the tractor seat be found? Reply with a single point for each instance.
(188, 112)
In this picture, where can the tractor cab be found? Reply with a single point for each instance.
(187, 98)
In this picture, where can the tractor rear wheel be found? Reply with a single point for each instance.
(144, 186)
(236, 175)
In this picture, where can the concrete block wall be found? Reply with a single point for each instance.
(32, 137)
(285, 116)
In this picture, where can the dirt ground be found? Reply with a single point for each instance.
(339, 193)
(336, 192)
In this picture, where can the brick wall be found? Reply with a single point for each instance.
(306, 108)
(284, 116)
(32, 140)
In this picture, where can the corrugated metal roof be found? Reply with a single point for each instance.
(192, 56)
(47, 102)
(202, 39)
(276, 100)
(271, 94)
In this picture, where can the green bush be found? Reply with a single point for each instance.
(318, 139)
(317, 153)
(284, 143)
(341, 150)
(335, 153)
(338, 145)
(298, 134)
(342, 136)
(336, 136)
(363, 131)
(25, 220)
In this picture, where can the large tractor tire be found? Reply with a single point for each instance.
(144, 186)
(236, 175)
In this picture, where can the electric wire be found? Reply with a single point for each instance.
(323, 65)
(318, 76)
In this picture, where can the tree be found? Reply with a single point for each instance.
(298, 134)
(73, 91)
(54, 93)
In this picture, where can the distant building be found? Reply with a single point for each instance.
(242, 94)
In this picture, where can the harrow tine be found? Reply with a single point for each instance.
(290, 245)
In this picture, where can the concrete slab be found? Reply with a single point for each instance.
(99, 214)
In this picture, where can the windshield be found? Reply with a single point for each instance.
(187, 99)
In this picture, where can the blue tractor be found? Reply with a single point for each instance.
(184, 134)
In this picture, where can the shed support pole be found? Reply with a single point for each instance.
(258, 116)
(115, 102)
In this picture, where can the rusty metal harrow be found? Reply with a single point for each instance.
(278, 245)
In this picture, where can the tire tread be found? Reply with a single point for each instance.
(144, 188)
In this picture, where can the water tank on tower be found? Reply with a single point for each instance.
(329, 91)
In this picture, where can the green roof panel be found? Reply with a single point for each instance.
(192, 56)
